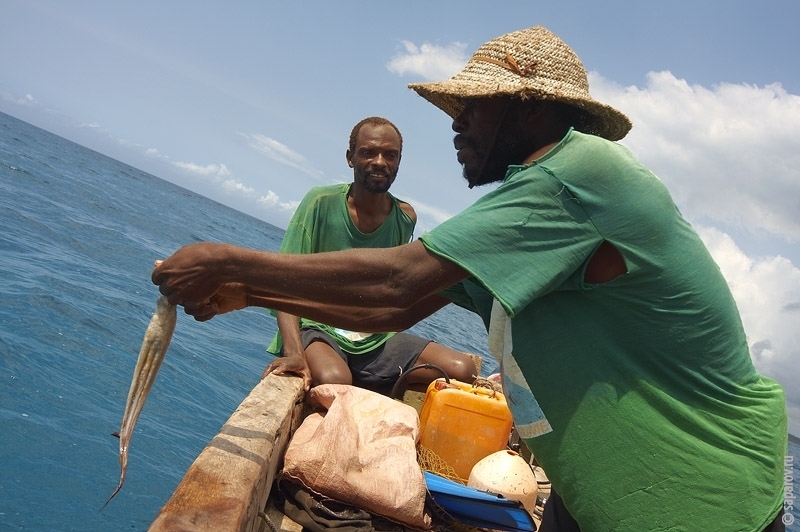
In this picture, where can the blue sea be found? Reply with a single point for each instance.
(80, 232)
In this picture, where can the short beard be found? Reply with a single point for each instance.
(376, 189)
(508, 149)
(361, 175)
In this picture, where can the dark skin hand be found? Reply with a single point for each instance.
(294, 356)
(371, 290)
(396, 287)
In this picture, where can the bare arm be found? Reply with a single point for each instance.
(289, 326)
(365, 289)
(294, 356)
(236, 296)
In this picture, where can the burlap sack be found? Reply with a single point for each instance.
(362, 451)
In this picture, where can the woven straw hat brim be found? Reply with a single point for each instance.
(531, 63)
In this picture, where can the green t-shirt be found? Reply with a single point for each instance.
(322, 223)
(638, 396)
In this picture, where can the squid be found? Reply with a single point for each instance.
(154, 348)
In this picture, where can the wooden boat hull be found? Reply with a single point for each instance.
(227, 486)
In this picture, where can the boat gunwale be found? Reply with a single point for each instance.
(227, 486)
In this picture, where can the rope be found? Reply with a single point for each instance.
(482, 382)
(264, 517)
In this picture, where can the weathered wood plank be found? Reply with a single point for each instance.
(228, 484)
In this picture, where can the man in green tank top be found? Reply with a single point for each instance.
(624, 359)
(361, 214)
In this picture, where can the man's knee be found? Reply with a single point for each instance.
(326, 366)
(457, 365)
(461, 367)
(331, 376)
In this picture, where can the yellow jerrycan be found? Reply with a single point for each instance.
(463, 423)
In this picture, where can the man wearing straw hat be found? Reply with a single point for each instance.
(624, 359)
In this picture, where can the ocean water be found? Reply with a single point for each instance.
(80, 232)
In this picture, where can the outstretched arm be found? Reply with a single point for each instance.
(365, 289)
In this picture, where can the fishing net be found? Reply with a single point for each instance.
(442, 520)
(433, 463)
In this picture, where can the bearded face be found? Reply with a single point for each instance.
(376, 159)
(374, 178)
(488, 139)
(508, 149)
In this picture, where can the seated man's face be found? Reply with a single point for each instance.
(376, 159)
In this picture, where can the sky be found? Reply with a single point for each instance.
(251, 103)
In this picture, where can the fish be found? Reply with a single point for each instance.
(156, 341)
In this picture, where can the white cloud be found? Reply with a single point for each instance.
(281, 153)
(26, 100)
(429, 61)
(242, 196)
(231, 185)
(428, 216)
(155, 154)
(728, 154)
(218, 171)
(271, 199)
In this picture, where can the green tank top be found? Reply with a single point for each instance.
(322, 223)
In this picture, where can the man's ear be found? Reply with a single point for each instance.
(349, 159)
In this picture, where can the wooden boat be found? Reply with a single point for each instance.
(227, 488)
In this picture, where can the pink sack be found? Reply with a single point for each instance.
(362, 452)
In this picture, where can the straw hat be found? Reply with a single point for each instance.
(530, 63)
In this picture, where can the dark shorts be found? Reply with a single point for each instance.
(379, 369)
